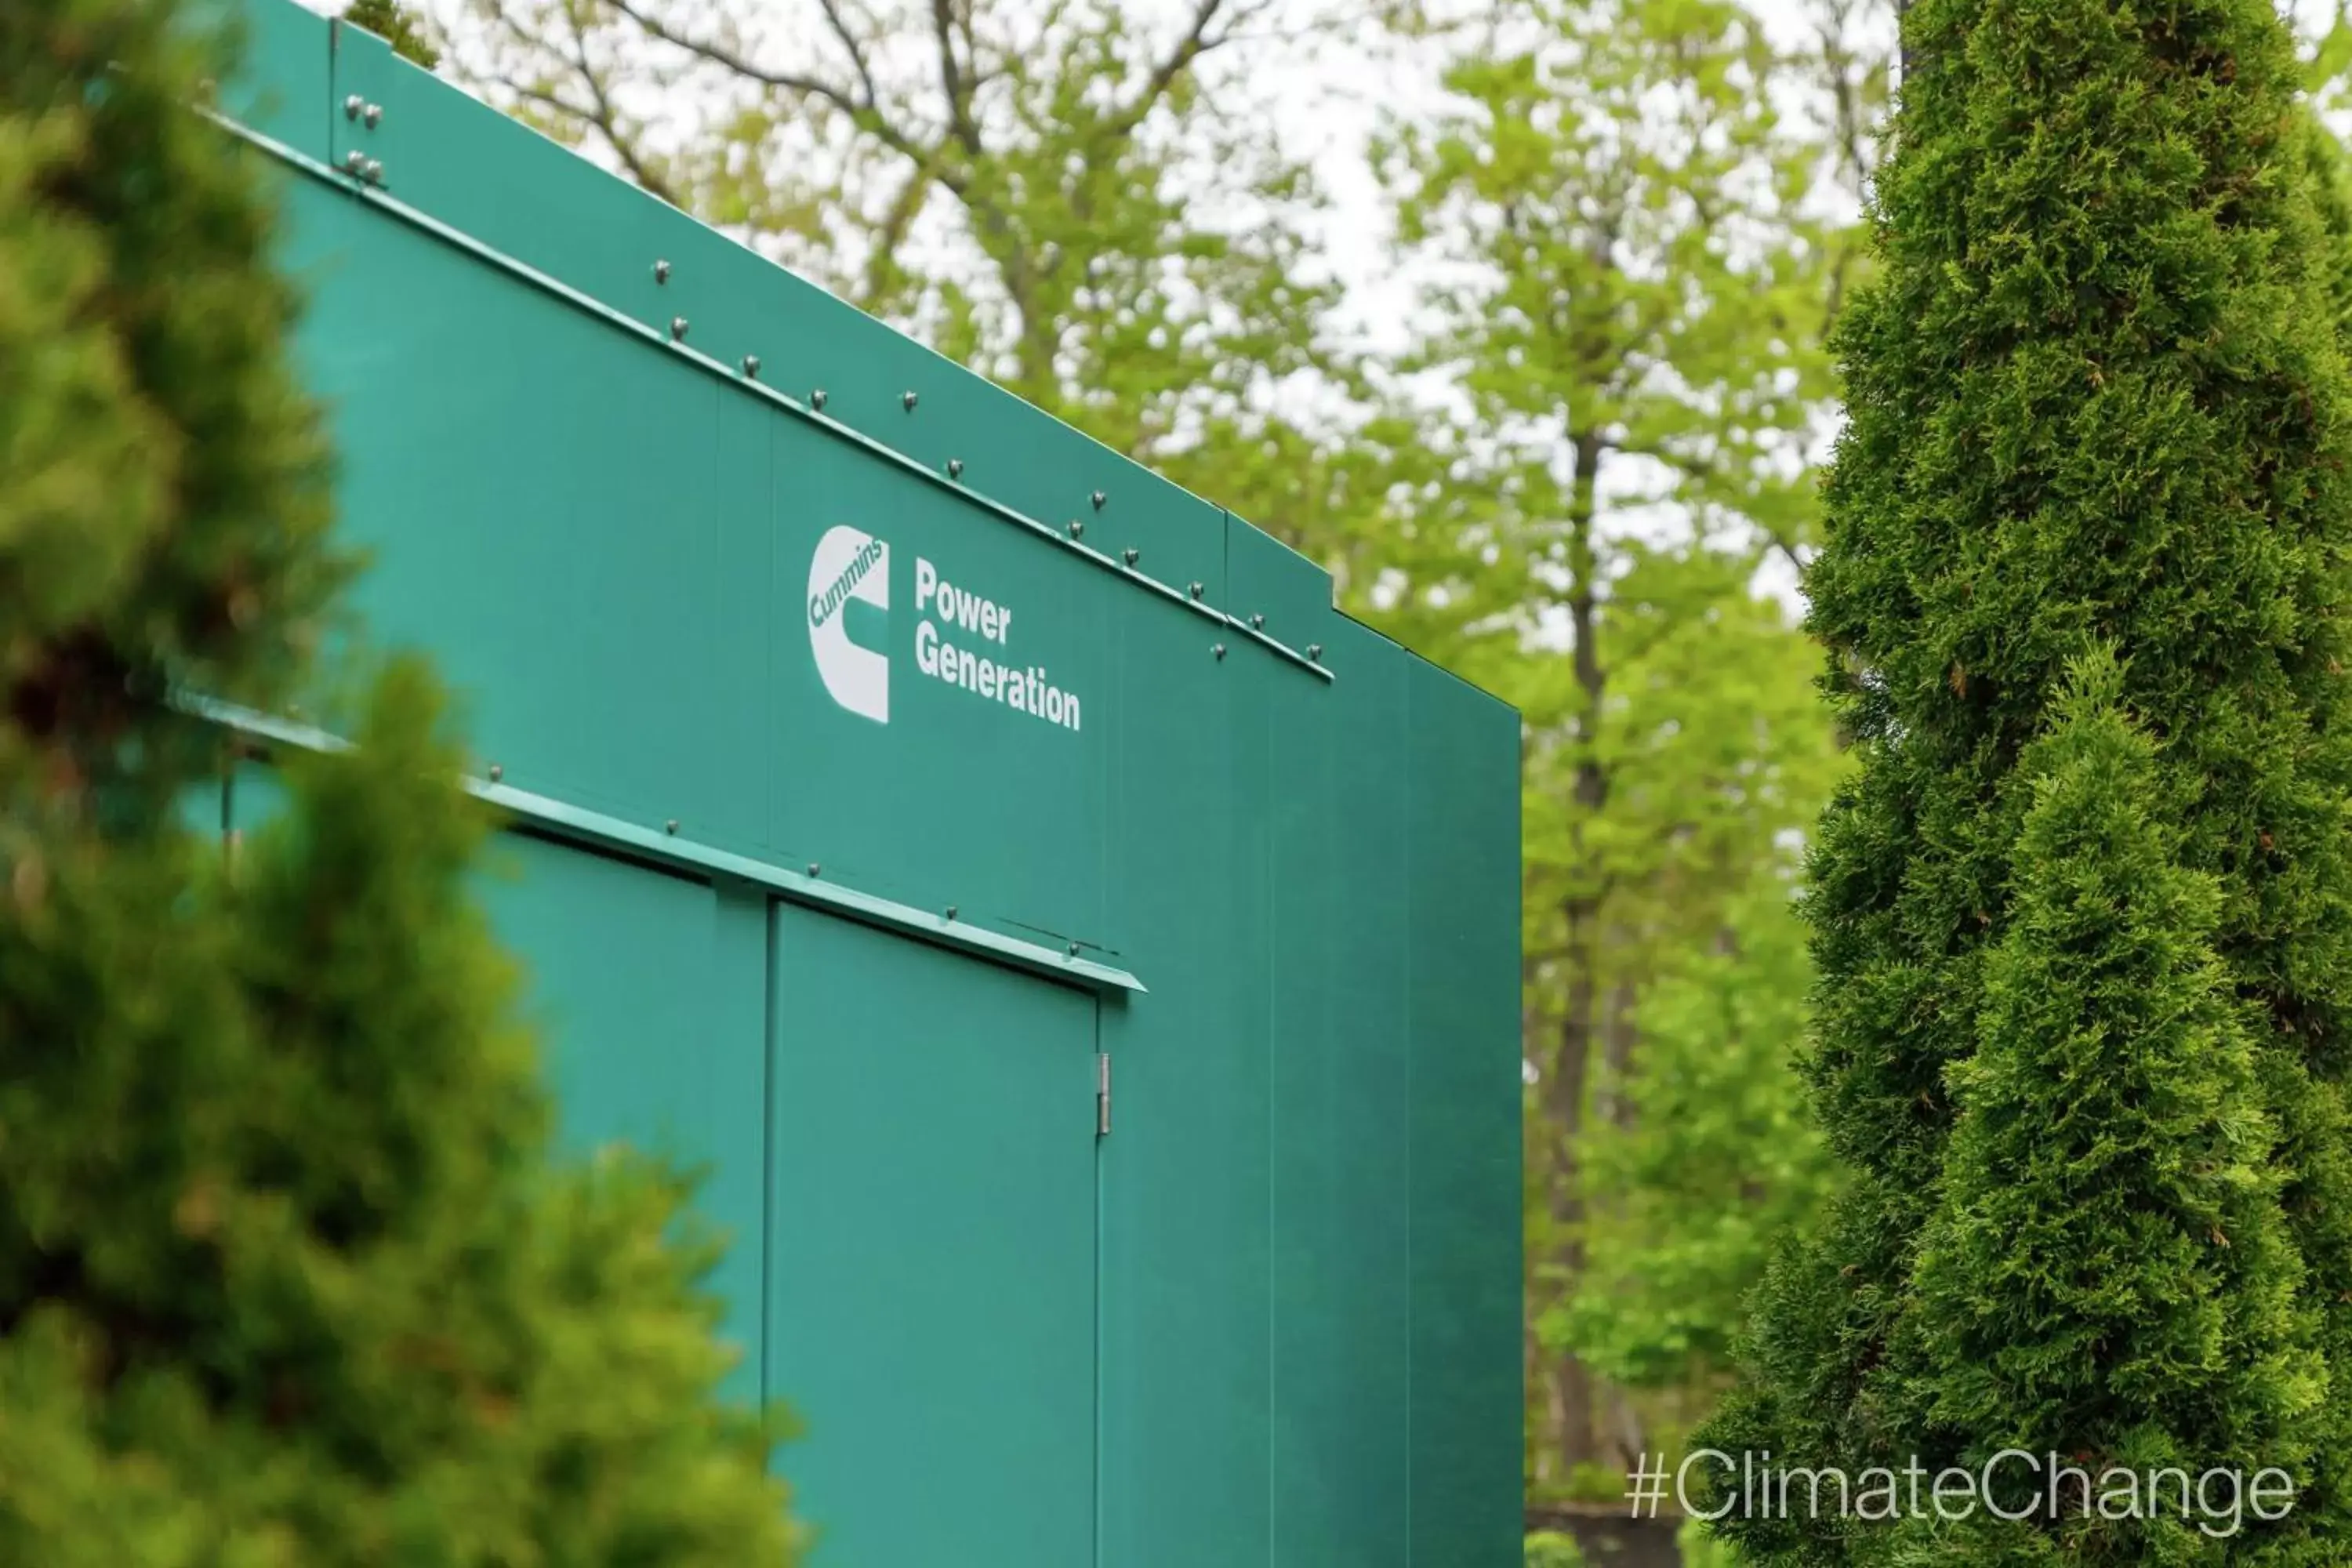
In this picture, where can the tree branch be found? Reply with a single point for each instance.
(852, 47)
(951, 77)
(601, 120)
(865, 112)
(1197, 41)
(882, 270)
(598, 115)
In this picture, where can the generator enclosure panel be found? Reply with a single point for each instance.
(1084, 965)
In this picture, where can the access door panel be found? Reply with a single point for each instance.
(932, 1263)
(649, 995)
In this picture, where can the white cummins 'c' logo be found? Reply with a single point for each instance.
(849, 564)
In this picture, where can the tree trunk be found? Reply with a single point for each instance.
(1571, 1406)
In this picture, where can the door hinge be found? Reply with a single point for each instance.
(1102, 1094)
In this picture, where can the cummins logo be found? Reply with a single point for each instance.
(959, 636)
(849, 564)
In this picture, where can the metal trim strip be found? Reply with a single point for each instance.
(594, 829)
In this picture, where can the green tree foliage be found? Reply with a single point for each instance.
(1632, 300)
(1699, 1548)
(2094, 399)
(285, 1275)
(1551, 1549)
(1717, 1158)
(397, 25)
(2107, 1268)
(2331, 176)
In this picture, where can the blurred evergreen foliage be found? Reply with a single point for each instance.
(287, 1275)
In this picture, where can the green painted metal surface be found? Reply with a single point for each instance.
(1342, 1154)
(1462, 954)
(932, 1295)
(830, 755)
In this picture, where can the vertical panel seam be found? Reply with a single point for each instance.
(1412, 1094)
(768, 1023)
(327, 107)
(1270, 824)
(1102, 1154)
(712, 565)
(770, 684)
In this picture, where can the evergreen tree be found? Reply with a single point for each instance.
(2107, 1271)
(286, 1276)
(2096, 396)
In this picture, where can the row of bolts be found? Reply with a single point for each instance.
(356, 162)
(372, 170)
(678, 326)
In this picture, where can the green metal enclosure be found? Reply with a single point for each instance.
(1083, 963)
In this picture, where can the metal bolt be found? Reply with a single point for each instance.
(1257, 623)
(1074, 949)
(951, 908)
(1196, 590)
(677, 328)
(1314, 651)
(1133, 554)
(1077, 527)
(352, 105)
(955, 467)
(1099, 498)
(661, 271)
(1219, 650)
(813, 867)
(907, 401)
(752, 365)
(497, 773)
(816, 398)
(374, 172)
(374, 115)
(671, 825)
(356, 162)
